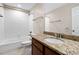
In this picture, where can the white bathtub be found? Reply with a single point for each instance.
(13, 43)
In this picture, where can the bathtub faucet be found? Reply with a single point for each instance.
(30, 33)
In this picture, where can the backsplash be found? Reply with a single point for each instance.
(71, 37)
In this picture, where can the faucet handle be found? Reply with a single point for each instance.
(61, 36)
(55, 35)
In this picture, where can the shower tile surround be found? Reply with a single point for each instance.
(19, 20)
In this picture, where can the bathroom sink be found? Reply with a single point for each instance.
(54, 41)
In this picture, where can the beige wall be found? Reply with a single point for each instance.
(38, 21)
(64, 15)
(38, 25)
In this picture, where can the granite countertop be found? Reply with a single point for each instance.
(69, 47)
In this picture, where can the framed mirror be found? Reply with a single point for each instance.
(63, 20)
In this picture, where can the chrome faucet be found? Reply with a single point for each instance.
(60, 36)
(56, 35)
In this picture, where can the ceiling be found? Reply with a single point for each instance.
(26, 6)
(47, 6)
(52, 6)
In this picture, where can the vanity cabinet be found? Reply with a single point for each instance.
(36, 51)
(39, 48)
(50, 52)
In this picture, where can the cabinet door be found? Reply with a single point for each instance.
(38, 45)
(35, 51)
(50, 52)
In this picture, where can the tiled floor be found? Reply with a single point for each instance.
(18, 51)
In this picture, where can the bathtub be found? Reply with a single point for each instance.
(12, 43)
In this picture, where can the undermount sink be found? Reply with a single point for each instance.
(54, 41)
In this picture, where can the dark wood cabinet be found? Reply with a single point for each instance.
(50, 52)
(35, 51)
(39, 49)
(38, 45)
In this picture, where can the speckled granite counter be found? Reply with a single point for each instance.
(69, 47)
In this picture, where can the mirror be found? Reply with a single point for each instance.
(63, 20)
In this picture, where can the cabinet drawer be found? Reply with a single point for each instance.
(50, 52)
(35, 51)
(38, 45)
